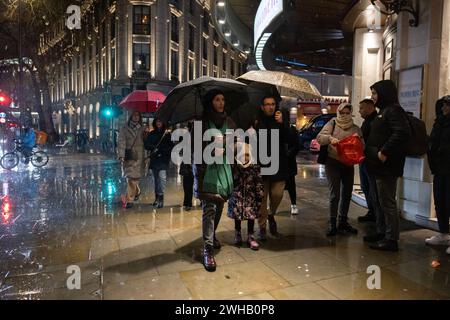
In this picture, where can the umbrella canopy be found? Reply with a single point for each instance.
(144, 101)
(287, 84)
(184, 102)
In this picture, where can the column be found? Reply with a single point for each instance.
(162, 40)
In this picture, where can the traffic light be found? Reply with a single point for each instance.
(111, 111)
(5, 100)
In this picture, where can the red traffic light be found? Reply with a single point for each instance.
(5, 100)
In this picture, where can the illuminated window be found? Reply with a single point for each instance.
(141, 56)
(141, 21)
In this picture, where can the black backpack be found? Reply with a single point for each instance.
(418, 143)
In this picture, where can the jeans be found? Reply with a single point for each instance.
(340, 182)
(160, 177)
(365, 186)
(212, 212)
(387, 192)
(441, 190)
(188, 188)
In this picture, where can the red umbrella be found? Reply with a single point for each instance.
(143, 101)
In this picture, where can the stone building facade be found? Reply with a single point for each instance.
(124, 45)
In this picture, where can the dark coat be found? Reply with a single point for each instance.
(199, 170)
(160, 149)
(439, 144)
(269, 123)
(365, 127)
(293, 149)
(389, 132)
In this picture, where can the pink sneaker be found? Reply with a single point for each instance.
(252, 243)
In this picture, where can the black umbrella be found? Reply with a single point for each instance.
(256, 91)
(184, 102)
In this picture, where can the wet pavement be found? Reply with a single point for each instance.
(68, 214)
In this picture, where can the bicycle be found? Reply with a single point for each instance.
(11, 159)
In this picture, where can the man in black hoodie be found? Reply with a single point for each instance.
(385, 156)
(271, 118)
(439, 160)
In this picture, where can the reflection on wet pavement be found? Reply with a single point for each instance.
(68, 213)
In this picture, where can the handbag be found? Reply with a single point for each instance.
(323, 153)
(130, 154)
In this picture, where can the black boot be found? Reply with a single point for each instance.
(155, 203)
(345, 228)
(272, 225)
(160, 201)
(332, 230)
(216, 243)
(385, 245)
(369, 217)
(208, 259)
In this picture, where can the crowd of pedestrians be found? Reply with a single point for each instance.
(253, 196)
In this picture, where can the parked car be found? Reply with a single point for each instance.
(315, 146)
(312, 129)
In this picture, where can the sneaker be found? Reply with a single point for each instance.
(252, 243)
(237, 238)
(294, 209)
(186, 208)
(262, 234)
(136, 198)
(441, 239)
(448, 250)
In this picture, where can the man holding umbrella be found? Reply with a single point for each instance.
(270, 118)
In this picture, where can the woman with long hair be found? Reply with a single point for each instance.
(213, 183)
(131, 156)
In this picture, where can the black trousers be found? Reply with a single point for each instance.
(340, 182)
(188, 188)
(250, 226)
(291, 188)
(441, 190)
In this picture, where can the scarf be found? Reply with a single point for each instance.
(218, 178)
(343, 121)
(135, 126)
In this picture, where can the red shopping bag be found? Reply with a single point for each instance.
(351, 150)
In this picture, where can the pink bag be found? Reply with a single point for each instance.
(351, 150)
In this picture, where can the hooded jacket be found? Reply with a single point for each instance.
(389, 132)
(439, 143)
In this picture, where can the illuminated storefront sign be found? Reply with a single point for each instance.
(267, 11)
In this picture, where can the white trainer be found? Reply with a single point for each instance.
(448, 250)
(441, 239)
(294, 209)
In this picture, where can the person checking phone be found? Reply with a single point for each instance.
(270, 118)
